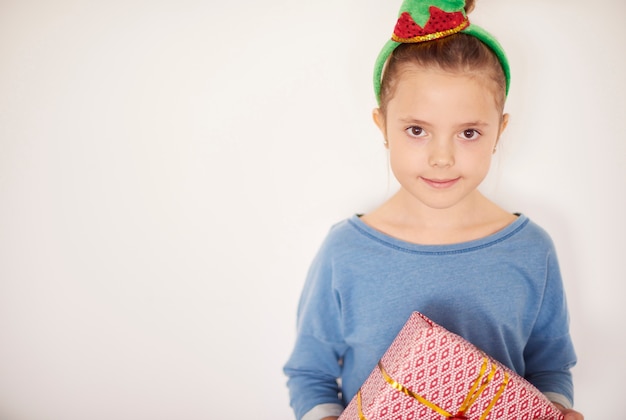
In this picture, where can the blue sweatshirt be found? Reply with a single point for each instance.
(503, 293)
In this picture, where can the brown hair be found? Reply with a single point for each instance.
(459, 53)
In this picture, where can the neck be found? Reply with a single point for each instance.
(405, 218)
(471, 210)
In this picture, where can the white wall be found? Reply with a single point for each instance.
(169, 168)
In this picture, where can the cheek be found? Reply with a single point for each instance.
(395, 159)
(408, 161)
(478, 162)
(401, 161)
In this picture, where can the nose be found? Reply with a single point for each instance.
(441, 153)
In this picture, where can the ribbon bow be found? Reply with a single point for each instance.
(478, 386)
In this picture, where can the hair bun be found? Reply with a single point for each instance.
(469, 6)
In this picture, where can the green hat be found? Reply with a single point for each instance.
(427, 20)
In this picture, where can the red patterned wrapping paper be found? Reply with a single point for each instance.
(429, 373)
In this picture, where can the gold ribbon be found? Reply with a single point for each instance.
(478, 386)
(430, 37)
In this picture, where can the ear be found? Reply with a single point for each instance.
(503, 123)
(379, 120)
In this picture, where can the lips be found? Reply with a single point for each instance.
(440, 183)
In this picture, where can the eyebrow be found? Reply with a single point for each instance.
(477, 123)
(410, 120)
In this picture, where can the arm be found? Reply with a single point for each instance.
(314, 365)
(549, 352)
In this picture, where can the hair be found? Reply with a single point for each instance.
(458, 53)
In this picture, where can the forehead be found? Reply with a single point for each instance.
(433, 89)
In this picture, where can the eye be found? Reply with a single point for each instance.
(415, 131)
(470, 134)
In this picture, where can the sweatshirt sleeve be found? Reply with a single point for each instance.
(549, 353)
(314, 366)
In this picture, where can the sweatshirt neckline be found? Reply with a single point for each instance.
(476, 244)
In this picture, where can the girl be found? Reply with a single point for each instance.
(438, 246)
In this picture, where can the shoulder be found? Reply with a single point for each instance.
(343, 233)
(533, 234)
(341, 236)
(352, 243)
(531, 245)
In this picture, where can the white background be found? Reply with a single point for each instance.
(168, 169)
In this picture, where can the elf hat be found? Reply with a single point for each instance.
(427, 20)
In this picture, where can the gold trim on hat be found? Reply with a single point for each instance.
(430, 37)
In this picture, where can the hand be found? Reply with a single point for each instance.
(569, 413)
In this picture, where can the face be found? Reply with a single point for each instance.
(441, 131)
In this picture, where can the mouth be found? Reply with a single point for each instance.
(440, 183)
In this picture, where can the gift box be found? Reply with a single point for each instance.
(430, 373)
